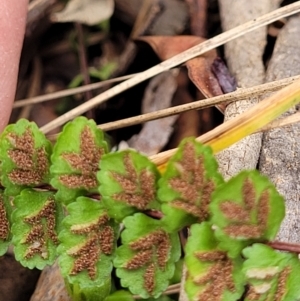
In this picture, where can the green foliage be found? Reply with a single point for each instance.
(145, 261)
(271, 275)
(161, 298)
(225, 219)
(75, 159)
(24, 156)
(36, 224)
(128, 183)
(87, 247)
(186, 186)
(210, 272)
(89, 293)
(246, 209)
(104, 72)
(120, 295)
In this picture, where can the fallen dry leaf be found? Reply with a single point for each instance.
(89, 12)
(198, 16)
(199, 68)
(226, 81)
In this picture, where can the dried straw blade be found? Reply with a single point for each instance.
(68, 92)
(200, 104)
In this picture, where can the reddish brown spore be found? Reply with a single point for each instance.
(234, 212)
(87, 258)
(148, 241)
(138, 189)
(38, 235)
(106, 240)
(210, 255)
(4, 223)
(281, 284)
(195, 190)
(163, 249)
(86, 162)
(248, 192)
(78, 181)
(246, 231)
(263, 209)
(139, 260)
(217, 278)
(149, 278)
(32, 164)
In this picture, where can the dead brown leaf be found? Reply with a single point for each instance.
(198, 16)
(199, 68)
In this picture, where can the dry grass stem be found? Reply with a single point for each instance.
(175, 61)
(250, 121)
(200, 104)
(205, 103)
(68, 92)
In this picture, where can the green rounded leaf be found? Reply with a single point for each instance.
(128, 183)
(210, 272)
(36, 223)
(120, 296)
(271, 274)
(246, 209)
(88, 241)
(75, 159)
(25, 157)
(146, 260)
(187, 184)
(89, 293)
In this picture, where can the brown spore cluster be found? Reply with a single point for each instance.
(195, 190)
(86, 257)
(39, 234)
(106, 240)
(85, 163)
(241, 224)
(31, 164)
(149, 278)
(152, 248)
(218, 277)
(281, 287)
(4, 223)
(100, 238)
(138, 188)
(276, 294)
(139, 260)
